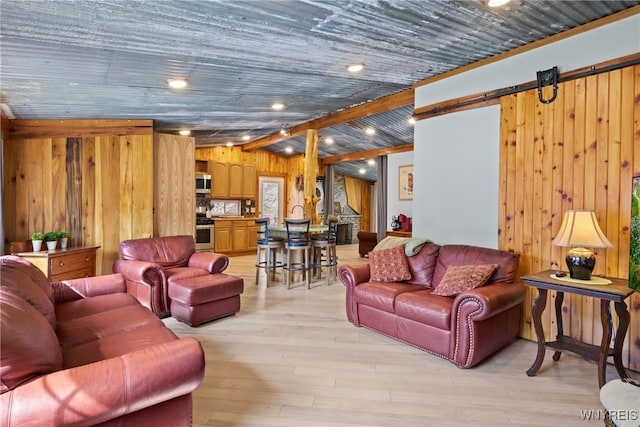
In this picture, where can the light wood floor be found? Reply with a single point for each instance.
(290, 358)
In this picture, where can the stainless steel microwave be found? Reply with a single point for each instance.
(203, 183)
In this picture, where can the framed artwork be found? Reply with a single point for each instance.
(634, 256)
(405, 182)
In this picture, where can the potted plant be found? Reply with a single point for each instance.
(36, 241)
(51, 239)
(63, 235)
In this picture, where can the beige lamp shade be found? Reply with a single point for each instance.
(581, 229)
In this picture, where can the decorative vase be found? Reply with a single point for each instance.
(63, 242)
(37, 245)
(51, 245)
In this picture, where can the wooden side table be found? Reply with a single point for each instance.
(64, 264)
(615, 292)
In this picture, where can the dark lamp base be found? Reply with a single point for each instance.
(580, 262)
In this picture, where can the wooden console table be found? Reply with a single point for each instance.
(617, 291)
(64, 264)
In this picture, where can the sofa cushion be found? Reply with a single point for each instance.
(381, 295)
(23, 279)
(104, 324)
(466, 255)
(423, 264)
(116, 345)
(29, 344)
(179, 273)
(168, 251)
(89, 306)
(458, 279)
(424, 307)
(389, 265)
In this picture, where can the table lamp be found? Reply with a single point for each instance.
(578, 231)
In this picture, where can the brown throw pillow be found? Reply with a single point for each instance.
(458, 279)
(389, 265)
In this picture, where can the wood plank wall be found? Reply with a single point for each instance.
(99, 187)
(579, 152)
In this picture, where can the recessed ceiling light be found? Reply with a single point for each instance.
(362, 171)
(371, 162)
(277, 106)
(288, 150)
(328, 140)
(177, 83)
(355, 68)
(370, 131)
(412, 120)
(185, 132)
(246, 137)
(497, 3)
(229, 144)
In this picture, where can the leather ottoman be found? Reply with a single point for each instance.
(196, 300)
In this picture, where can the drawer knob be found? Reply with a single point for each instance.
(61, 263)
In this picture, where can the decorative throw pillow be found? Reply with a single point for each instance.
(458, 279)
(389, 265)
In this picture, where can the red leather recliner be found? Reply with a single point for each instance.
(151, 264)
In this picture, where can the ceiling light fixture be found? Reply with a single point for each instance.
(497, 3)
(288, 150)
(371, 162)
(185, 132)
(362, 171)
(284, 131)
(246, 137)
(370, 131)
(412, 120)
(229, 144)
(277, 106)
(328, 140)
(177, 83)
(355, 68)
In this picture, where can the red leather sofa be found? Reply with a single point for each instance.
(84, 352)
(464, 329)
(151, 264)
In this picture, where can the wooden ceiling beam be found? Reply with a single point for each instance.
(381, 105)
(361, 155)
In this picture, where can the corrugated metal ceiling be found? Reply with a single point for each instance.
(111, 58)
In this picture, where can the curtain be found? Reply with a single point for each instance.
(328, 191)
(381, 195)
(2, 237)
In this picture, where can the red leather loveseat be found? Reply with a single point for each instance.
(464, 328)
(84, 352)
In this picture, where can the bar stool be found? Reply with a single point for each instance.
(298, 241)
(326, 242)
(270, 246)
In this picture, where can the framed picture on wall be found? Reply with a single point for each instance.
(405, 182)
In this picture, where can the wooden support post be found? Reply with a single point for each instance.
(310, 173)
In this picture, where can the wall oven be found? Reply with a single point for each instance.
(204, 234)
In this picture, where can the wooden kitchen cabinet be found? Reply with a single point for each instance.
(219, 179)
(236, 173)
(222, 236)
(249, 183)
(235, 236)
(64, 264)
(232, 180)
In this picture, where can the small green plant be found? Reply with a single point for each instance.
(37, 236)
(50, 236)
(62, 234)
